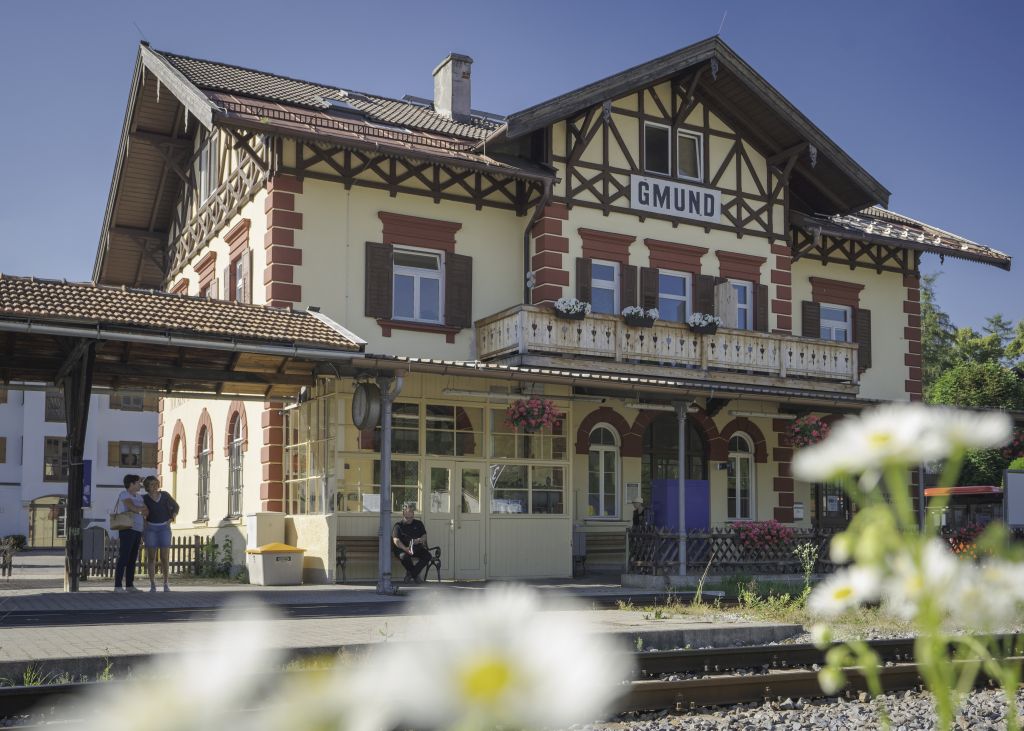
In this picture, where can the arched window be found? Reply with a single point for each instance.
(235, 468)
(603, 473)
(203, 458)
(740, 493)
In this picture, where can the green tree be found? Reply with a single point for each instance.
(1015, 348)
(970, 346)
(998, 325)
(937, 334)
(974, 384)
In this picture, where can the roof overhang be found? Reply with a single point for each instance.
(836, 183)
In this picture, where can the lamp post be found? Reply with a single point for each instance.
(681, 408)
(389, 389)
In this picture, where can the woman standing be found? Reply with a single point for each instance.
(129, 501)
(162, 512)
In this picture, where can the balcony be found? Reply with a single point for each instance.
(526, 330)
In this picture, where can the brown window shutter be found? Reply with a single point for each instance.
(150, 402)
(810, 319)
(3, 450)
(458, 290)
(247, 277)
(584, 277)
(761, 308)
(627, 286)
(648, 288)
(115, 401)
(113, 454)
(704, 294)
(862, 329)
(148, 455)
(379, 281)
(228, 292)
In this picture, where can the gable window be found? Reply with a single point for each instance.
(55, 459)
(740, 487)
(657, 157)
(743, 300)
(235, 468)
(835, 323)
(603, 474)
(417, 286)
(203, 493)
(688, 155)
(604, 283)
(207, 168)
(673, 296)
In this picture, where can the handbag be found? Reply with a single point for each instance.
(121, 520)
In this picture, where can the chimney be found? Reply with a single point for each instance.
(451, 87)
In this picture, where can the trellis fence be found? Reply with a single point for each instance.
(189, 555)
(654, 550)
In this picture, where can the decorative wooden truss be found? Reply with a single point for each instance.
(837, 250)
(594, 137)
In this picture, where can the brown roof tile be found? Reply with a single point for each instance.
(71, 302)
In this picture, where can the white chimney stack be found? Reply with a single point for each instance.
(451, 87)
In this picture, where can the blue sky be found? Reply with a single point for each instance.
(927, 96)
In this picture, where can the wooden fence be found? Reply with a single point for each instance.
(653, 550)
(189, 556)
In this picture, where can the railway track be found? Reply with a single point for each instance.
(730, 676)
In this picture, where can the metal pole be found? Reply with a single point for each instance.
(389, 388)
(76, 380)
(920, 497)
(681, 416)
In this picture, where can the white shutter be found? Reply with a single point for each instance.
(725, 304)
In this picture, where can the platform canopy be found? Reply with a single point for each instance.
(77, 336)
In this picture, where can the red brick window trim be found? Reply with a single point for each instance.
(236, 408)
(181, 287)
(606, 246)
(834, 292)
(238, 237)
(415, 231)
(740, 266)
(678, 257)
(206, 269)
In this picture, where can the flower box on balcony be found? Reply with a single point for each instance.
(638, 320)
(704, 329)
(570, 315)
(570, 308)
(703, 323)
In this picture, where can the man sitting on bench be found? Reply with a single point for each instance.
(410, 542)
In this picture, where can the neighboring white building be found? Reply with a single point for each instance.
(121, 439)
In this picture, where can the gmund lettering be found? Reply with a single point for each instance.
(675, 199)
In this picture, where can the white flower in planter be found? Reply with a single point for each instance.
(635, 311)
(571, 306)
(702, 319)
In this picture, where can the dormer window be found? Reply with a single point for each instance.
(658, 153)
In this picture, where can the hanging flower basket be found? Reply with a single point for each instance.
(532, 415)
(807, 431)
(1015, 448)
(570, 308)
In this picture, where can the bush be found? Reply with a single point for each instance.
(978, 385)
(982, 467)
(17, 540)
(760, 535)
(1017, 464)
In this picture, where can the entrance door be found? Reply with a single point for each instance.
(454, 517)
(833, 506)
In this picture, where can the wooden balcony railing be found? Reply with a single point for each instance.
(526, 329)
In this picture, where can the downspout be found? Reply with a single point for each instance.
(541, 204)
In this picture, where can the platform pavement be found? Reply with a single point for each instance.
(40, 624)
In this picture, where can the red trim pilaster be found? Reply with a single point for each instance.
(272, 458)
(783, 482)
(547, 248)
(781, 278)
(279, 241)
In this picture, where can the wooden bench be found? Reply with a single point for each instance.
(365, 548)
(606, 547)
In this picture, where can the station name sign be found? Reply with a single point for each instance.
(675, 199)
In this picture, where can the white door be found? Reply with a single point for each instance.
(454, 517)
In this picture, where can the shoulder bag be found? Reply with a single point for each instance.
(120, 519)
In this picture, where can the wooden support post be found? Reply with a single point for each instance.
(76, 380)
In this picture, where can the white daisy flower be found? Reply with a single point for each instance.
(987, 596)
(895, 434)
(845, 589)
(972, 430)
(909, 583)
(493, 660)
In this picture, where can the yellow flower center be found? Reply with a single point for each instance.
(843, 592)
(486, 679)
(880, 439)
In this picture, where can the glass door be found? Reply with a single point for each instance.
(468, 553)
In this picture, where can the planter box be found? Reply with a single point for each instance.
(704, 329)
(570, 315)
(638, 321)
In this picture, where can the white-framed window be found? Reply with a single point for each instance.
(238, 278)
(740, 488)
(205, 453)
(207, 164)
(835, 323)
(657, 155)
(743, 296)
(235, 468)
(689, 155)
(604, 287)
(131, 454)
(673, 295)
(418, 286)
(603, 473)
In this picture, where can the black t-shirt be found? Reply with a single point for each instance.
(407, 532)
